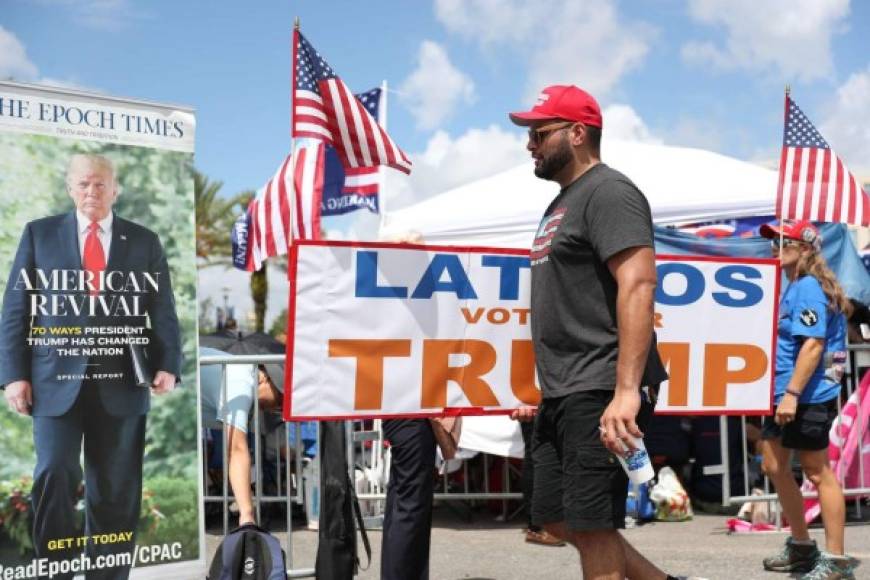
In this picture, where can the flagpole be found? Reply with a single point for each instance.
(781, 222)
(780, 193)
(382, 175)
(293, 57)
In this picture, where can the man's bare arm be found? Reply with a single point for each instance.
(634, 270)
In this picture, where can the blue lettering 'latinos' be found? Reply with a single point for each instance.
(694, 284)
(509, 281)
(457, 280)
(726, 277)
(367, 279)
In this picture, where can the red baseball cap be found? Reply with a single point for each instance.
(802, 231)
(562, 102)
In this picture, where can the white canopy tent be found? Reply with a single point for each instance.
(682, 184)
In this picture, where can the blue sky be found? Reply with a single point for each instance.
(702, 73)
(706, 73)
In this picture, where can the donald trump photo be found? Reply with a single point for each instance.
(88, 296)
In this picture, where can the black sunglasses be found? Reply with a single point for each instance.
(538, 136)
(775, 243)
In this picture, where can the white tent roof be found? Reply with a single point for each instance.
(682, 185)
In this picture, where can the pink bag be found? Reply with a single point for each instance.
(844, 451)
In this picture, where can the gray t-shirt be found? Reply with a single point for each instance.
(573, 302)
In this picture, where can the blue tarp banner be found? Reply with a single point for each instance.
(837, 247)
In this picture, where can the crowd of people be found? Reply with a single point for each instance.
(592, 298)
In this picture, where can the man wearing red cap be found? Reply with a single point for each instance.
(593, 286)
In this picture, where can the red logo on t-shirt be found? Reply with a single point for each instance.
(545, 234)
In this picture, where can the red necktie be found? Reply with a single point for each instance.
(94, 260)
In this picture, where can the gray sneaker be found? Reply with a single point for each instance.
(829, 567)
(793, 558)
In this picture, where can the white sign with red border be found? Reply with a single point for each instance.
(398, 330)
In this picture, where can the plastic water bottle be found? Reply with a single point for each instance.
(631, 507)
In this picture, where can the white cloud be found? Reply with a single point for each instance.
(16, 65)
(846, 127)
(447, 162)
(111, 15)
(563, 41)
(623, 122)
(67, 84)
(492, 21)
(792, 38)
(588, 46)
(14, 62)
(435, 87)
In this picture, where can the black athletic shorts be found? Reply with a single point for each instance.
(809, 430)
(577, 480)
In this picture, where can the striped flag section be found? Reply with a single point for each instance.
(288, 206)
(325, 108)
(308, 183)
(325, 113)
(361, 180)
(347, 189)
(814, 183)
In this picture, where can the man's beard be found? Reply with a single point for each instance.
(556, 161)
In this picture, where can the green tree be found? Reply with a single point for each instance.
(215, 216)
(279, 325)
(259, 294)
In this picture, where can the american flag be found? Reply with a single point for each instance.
(352, 188)
(289, 206)
(814, 183)
(286, 208)
(323, 187)
(324, 108)
(270, 217)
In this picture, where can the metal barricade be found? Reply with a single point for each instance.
(862, 490)
(292, 488)
(374, 458)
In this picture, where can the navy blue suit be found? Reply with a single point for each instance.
(87, 400)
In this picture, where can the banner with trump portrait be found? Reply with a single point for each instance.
(389, 330)
(98, 427)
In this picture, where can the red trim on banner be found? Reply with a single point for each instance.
(715, 413)
(394, 246)
(291, 335)
(446, 412)
(777, 281)
(477, 411)
(740, 260)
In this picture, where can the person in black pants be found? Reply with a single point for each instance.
(408, 516)
(535, 534)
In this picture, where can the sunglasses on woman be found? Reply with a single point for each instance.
(775, 243)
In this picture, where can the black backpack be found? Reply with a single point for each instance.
(248, 553)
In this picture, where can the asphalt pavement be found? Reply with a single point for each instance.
(476, 545)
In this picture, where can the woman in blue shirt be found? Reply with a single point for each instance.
(810, 358)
